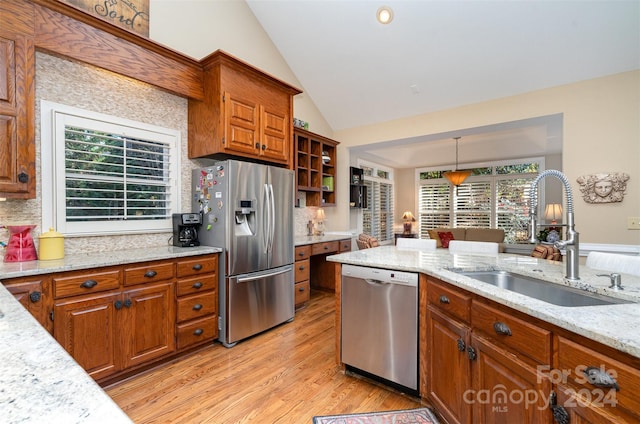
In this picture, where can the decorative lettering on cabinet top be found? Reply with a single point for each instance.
(132, 15)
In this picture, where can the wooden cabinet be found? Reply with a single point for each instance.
(595, 387)
(197, 301)
(107, 329)
(245, 112)
(483, 361)
(315, 167)
(31, 293)
(17, 120)
(302, 273)
(116, 319)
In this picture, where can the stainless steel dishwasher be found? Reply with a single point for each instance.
(380, 323)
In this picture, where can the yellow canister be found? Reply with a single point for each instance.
(51, 245)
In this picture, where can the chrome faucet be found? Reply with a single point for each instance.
(571, 244)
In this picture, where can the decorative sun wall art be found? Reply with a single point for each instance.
(603, 188)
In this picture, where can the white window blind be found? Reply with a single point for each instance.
(472, 201)
(377, 217)
(435, 206)
(108, 175)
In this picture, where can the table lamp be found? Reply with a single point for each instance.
(320, 217)
(408, 218)
(553, 212)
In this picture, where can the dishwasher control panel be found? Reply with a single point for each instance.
(379, 274)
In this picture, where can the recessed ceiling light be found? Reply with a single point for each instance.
(384, 15)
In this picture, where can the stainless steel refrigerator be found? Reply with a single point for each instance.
(247, 209)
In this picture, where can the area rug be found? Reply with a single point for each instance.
(406, 416)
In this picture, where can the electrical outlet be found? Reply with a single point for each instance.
(633, 223)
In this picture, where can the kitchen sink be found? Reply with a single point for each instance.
(542, 290)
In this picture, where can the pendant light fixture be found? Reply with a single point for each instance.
(457, 177)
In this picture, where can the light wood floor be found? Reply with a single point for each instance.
(286, 375)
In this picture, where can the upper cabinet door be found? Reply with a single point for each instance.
(17, 142)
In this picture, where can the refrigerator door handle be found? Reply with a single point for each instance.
(267, 219)
(260, 275)
(273, 217)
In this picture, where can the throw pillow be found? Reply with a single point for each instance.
(433, 234)
(445, 238)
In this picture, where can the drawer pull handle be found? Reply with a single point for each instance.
(89, 284)
(301, 267)
(301, 254)
(197, 307)
(197, 267)
(600, 378)
(461, 345)
(444, 299)
(198, 332)
(471, 352)
(35, 297)
(150, 274)
(301, 289)
(197, 285)
(502, 328)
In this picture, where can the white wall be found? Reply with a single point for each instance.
(601, 133)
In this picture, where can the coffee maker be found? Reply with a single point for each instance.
(185, 229)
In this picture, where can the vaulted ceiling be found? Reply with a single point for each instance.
(436, 55)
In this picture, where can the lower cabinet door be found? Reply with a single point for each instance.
(88, 330)
(448, 367)
(506, 389)
(149, 328)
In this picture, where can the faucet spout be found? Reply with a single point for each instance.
(571, 244)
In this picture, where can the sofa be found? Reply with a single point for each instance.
(443, 235)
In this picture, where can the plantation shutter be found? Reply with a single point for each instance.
(377, 218)
(472, 202)
(512, 205)
(113, 177)
(435, 207)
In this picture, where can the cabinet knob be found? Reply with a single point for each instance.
(600, 378)
(501, 328)
(197, 285)
(301, 289)
(197, 307)
(264, 147)
(117, 304)
(127, 303)
(89, 284)
(198, 332)
(461, 345)
(301, 267)
(150, 274)
(23, 177)
(257, 145)
(35, 297)
(197, 267)
(444, 299)
(471, 352)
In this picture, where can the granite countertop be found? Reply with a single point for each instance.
(95, 260)
(612, 325)
(39, 380)
(301, 240)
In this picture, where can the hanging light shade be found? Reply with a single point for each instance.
(457, 177)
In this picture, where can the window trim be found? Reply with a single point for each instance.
(53, 181)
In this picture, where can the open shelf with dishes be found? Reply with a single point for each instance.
(315, 167)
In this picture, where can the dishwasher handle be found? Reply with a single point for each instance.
(373, 282)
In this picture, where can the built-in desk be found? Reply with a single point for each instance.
(311, 268)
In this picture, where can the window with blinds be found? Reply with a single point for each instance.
(493, 197)
(111, 176)
(377, 217)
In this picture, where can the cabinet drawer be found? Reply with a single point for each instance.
(196, 285)
(302, 270)
(201, 265)
(303, 252)
(85, 284)
(302, 292)
(198, 331)
(148, 273)
(449, 300)
(573, 361)
(345, 245)
(525, 338)
(196, 306)
(326, 247)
